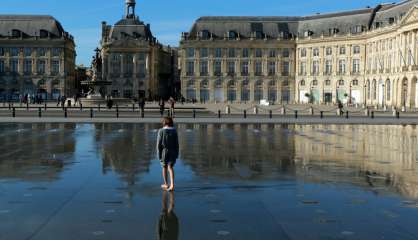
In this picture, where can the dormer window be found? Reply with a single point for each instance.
(378, 24)
(307, 33)
(391, 20)
(333, 31)
(43, 34)
(259, 35)
(16, 33)
(205, 35)
(232, 35)
(358, 29)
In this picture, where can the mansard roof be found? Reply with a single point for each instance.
(31, 25)
(315, 25)
(131, 28)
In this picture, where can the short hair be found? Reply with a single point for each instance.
(168, 121)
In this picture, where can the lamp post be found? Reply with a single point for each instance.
(383, 96)
(350, 94)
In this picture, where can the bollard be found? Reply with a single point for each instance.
(45, 106)
(372, 114)
(228, 110)
(219, 113)
(117, 111)
(346, 114)
(296, 114)
(194, 113)
(40, 112)
(142, 113)
(65, 113)
(245, 113)
(322, 114)
(14, 112)
(81, 107)
(271, 114)
(27, 106)
(91, 112)
(133, 107)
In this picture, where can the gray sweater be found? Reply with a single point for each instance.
(168, 142)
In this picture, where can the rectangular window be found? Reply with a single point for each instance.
(341, 66)
(356, 49)
(342, 50)
(203, 68)
(204, 53)
(231, 68)
(56, 67)
(41, 66)
(258, 53)
(41, 52)
(316, 52)
(302, 68)
(56, 52)
(190, 68)
(244, 68)
(315, 67)
(328, 67)
(303, 52)
(258, 68)
(190, 52)
(2, 66)
(2, 51)
(27, 66)
(217, 68)
(14, 52)
(231, 52)
(329, 51)
(286, 53)
(27, 52)
(245, 53)
(356, 65)
(14, 65)
(141, 56)
(272, 53)
(218, 52)
(286, 68)
(272, 68)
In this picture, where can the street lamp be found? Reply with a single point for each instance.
(383, 96)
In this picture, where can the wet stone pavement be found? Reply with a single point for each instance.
(235, 181)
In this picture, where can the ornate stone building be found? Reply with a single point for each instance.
(37, 57)
(367, 56)
(239, 59)
(134, 61)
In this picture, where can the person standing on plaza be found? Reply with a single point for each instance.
(172, 105)
(168, 151)
(142, 105)
(162, 106)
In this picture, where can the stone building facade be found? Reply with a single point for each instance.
(134, 61)
(37, 57)
(367, 56)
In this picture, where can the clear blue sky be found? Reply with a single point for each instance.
(168, 18)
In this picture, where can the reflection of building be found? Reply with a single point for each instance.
(41, 155)
(134, 61)
(237, 151)
(362, 56)
(37, 56)
(361, 155)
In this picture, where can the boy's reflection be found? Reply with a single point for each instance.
(168, 226)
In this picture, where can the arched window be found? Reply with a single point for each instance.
(315, 83)
(355, 82)
(191, 84)
(368, 89)
(302, 83)
(245, 91)
(328, 82)
(232, 35)
(16, 33)
(341, 82)
(374, 90)
(205, 34)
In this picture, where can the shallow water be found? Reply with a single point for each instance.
(101, 181)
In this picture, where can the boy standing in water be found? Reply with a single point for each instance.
(168, 151)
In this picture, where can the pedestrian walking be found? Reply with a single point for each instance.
(168, 151)
(172, 106)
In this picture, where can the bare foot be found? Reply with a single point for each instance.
(164, 186)
(170, 189)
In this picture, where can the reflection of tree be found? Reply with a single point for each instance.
(35, 152)
(252, 151)
(127, 149)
